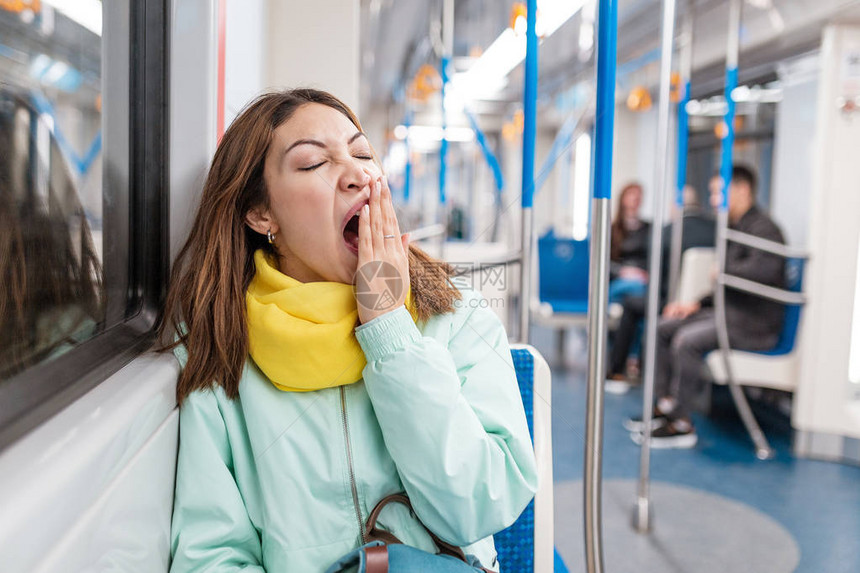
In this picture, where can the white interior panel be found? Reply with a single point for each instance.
(128, 528)
(53, 477)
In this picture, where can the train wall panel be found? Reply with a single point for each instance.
(128, 527)
(246, 54)
(310, 48)
(193, 106)
(826, 401)
(794, 152)
(117, 434)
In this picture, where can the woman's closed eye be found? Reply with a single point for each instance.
(361, 152)
(312, 167)
(363, 157)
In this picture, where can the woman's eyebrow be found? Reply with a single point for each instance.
(356, 136)
(304, 142)
(320, 143)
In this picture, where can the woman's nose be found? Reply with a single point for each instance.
(355, 177)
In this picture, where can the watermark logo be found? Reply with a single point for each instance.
(378, 286)
(480, 276)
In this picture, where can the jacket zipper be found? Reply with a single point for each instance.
(351, 470)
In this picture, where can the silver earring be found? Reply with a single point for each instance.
(271, 237)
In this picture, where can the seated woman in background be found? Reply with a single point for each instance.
(304, 402)
(698, 230)
(628, 252)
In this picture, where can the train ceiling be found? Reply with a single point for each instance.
(398, 36)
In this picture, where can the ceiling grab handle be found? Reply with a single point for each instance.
(607, 31)
(528, 178)
(642, 514)
(763, 449)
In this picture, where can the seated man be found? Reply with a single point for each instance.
(688, 331)
(699, 230)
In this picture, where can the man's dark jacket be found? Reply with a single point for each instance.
(751, 315)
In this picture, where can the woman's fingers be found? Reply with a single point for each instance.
(376, 222)
(365, 242)
(390, 226)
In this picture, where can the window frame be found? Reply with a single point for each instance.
(136, 263)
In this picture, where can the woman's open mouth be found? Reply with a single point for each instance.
(350, 224)
(350, 234)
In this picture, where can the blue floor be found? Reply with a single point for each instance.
(817, 502)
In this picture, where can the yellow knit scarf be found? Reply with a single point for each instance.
(302, 335)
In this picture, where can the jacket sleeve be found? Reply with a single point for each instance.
(452, 419)
(211, 530)
(759, 266)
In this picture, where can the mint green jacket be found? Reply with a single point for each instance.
(283, 481)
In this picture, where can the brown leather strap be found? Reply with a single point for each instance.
(446, 548)
(382, 535)
(374, 515)
(376, 534)
(376, 559)
(373, 533)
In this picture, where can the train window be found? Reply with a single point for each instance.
(51, 193)
(754, 136)
(82, 178)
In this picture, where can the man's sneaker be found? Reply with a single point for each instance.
(638, 425)
(617, 387)
(669, 437)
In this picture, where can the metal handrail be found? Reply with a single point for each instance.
(516, 257)
(764, 245)
(427, 232)
(686, 68)
(607, 31)
(642, 514)
(511, 258)
(530, 92)
(763, 449)
(764, 291)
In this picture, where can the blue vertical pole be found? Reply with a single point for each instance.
(605, 114)
(683, 142)
(443, 150)
(407, 172)
(528, 186)
(732, 53)
(607, 30)
(530, 107)
(729, 139)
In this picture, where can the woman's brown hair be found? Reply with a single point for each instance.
(205, 308)
(618, 230)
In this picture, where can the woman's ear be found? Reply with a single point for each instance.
(261, 221)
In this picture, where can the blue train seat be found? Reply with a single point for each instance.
(563, 274)
(787, 337)
(776, 368)
(527, 545)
